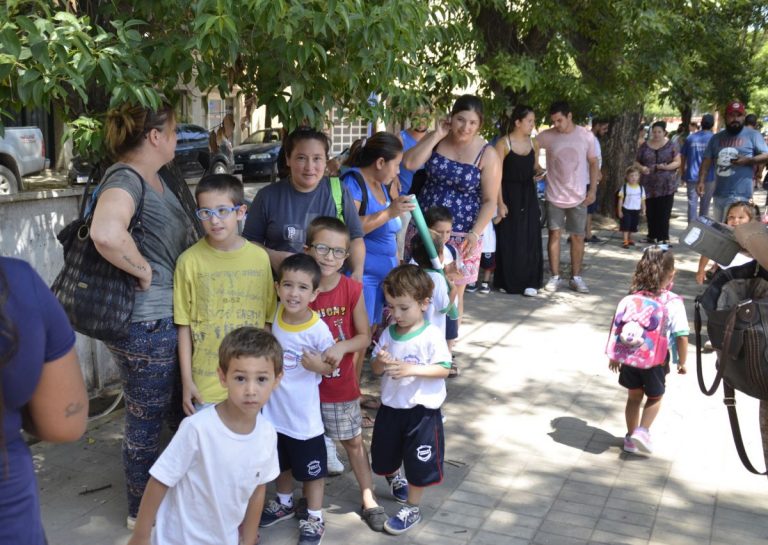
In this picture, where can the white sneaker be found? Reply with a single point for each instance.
(552, 283)
(530, 292)
(577, 284)
(130, 523)
(335, 467)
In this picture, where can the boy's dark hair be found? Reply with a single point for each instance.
(631, 169)
(437, 213)
(253, 342)
(301, 263)
(560, 107)
(408, 280)
(222, 183)
(419, 250)
(751, 121)
(326, 223)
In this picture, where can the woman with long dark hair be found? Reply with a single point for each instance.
(519, 260)
(41, 390)
(374, 163)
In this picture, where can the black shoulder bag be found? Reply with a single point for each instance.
(97, 296)
(738, 330)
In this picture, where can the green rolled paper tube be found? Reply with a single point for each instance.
(426, 237)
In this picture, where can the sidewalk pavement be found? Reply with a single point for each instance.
(534, 428)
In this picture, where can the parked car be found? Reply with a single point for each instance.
(256, 157)
(22, 152)
(193, 156)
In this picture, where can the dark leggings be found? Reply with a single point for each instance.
(659, 210)
(149, 370)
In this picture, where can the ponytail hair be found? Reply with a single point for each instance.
(366, 151)
(127, 125)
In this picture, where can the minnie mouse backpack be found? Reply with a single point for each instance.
(638, 335)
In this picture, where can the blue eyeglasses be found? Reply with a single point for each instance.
(220, 212)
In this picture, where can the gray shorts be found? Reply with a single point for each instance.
(574, 219)
(342, 420)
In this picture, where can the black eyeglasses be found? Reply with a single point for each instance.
(220, 212)
(323, 249)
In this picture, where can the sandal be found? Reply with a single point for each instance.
(626, 245)
(368, 422)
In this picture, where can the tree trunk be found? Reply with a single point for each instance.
(619, 148)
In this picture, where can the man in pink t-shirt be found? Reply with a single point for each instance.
(571, 165)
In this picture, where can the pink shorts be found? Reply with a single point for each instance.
(470, 266)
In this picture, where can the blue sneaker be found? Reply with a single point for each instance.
(408, 517)
(274, 512)
(311, 531)
(399, 487)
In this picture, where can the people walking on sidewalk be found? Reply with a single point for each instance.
(643, 326)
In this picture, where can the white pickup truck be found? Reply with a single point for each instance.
(22, 152)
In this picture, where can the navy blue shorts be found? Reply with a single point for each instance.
(592, 208)
(488, 261)
(451, 328)
(412, 438)
(651, 380)
(307, 459)
(629, 221)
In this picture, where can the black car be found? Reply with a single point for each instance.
(256, 157)
(191, 149)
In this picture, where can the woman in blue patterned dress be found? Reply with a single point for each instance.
(463, 175)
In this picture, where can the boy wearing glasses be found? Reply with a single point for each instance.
(342, 308)
(220, 283)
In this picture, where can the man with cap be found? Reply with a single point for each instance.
(691, 156)
(734, 151)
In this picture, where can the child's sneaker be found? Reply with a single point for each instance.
(399, 487)
(408, 517)
(374, 517)
(274, 512)
(485, 288)
(641, 437)
(311, 531)
(471, 288)
(629, 445)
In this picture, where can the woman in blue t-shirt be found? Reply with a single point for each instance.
(41, 390)
(374, 163)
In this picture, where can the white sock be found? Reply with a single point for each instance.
(285, 499)
(317, 514)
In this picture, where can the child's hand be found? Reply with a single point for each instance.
(451, 271)
(333, 356)
(681, 369)
(385, 356)
(614, 366)
(700, 275)
(313, 361)
(190, 394)
(620, 213)
(398, 369)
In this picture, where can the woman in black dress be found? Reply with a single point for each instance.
(519, 260)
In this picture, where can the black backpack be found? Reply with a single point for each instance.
(363, 190)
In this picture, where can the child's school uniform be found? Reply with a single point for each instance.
(211, 473)
(451, 324)
(409, 426)
(294, 406)
(215, 292)
(488, 248)
(440, 302)
(633, 196)
(340, 392)
(677, 321)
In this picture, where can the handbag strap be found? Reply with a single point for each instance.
(699, 365)
(87, 212)
(730, 403)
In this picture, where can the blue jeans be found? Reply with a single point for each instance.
(694, 201)
(720, 205)
(149, 370)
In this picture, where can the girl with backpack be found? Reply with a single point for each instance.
(647, 322)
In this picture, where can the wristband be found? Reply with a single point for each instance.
(471, 232)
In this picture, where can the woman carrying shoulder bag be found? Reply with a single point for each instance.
(145, 140)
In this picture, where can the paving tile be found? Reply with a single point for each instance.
(571, 519)
(490, 538)
(544, 538)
